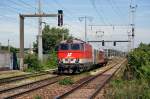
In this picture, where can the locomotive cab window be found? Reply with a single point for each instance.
(75, 46)
(64, 47)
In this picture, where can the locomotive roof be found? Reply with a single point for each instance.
(72, 41)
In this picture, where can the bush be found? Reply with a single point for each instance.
(66, 81)
(139, 61)
(33, 63)
(51, 62)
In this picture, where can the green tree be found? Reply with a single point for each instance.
(51, 37)
(139, 61)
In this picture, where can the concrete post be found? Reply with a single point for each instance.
(21, 42)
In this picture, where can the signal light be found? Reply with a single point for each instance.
(114, 43)
(103, 43)
(132, 32)
(60, 17)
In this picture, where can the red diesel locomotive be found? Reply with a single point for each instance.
(76, 56)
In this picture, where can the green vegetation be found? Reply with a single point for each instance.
(135, 84)
(66, 81)
(129, 89)
(33, 63)
(51, 62)
(51, 37)
(139, 61)
(37, 97)
(12, 49)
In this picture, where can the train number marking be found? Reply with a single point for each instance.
(69, 54)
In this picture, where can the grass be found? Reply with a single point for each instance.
(37, 97)
(133, 89)
(135, 84)
(66, 81)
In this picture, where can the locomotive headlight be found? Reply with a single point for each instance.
(60, 60)
(66, 59)
(77, 60)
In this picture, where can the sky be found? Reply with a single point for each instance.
(113, 16)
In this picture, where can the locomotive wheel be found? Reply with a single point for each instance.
(81, 69)
(70, 71)
(60, 70)
(78, 70)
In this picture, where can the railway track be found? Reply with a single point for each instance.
(25, 88)
(20, 77)
(90, 87)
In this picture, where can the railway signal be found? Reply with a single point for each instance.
(103, 43)
(114, 43)
(60, 17)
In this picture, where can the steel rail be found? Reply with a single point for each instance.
(20, 77)
(101, 86)
(19, 86)
(35, 88)
(78, 86)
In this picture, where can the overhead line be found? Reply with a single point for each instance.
(16, 3)
(70, 14)
(15, 10)
(114, 8)
(99, 15)
(62, 7)
(23, 2)
(114, 2)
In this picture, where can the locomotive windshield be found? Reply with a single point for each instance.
(75, 46)
(70, 47)
(64, 46)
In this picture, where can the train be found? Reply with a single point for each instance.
(75, 56)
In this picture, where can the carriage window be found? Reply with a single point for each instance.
(75, 46)
(64, 47)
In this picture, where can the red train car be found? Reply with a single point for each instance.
(76, 56)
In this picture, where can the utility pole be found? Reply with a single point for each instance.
(85, 24)
(8, 46)
(132, 24)
(40, 45)
(0, 46)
